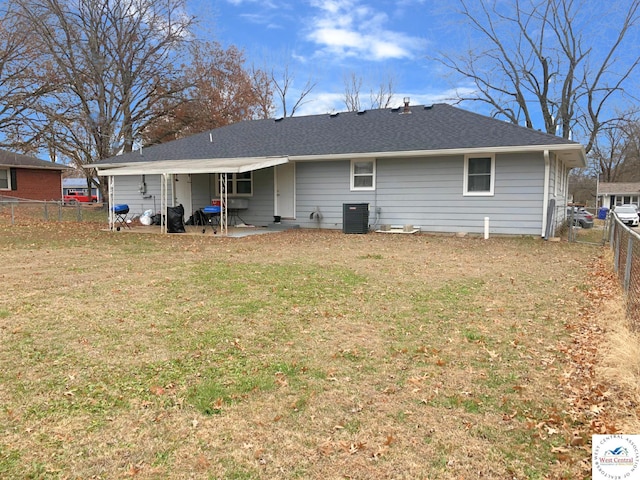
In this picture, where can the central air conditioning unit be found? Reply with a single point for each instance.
(355, 217)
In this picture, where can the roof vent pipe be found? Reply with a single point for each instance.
(406, 101)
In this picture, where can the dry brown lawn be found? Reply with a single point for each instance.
(303, 354)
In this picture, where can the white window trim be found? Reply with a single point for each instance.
(465, 190)
(232, 179)
(352, 176)
(8, 170)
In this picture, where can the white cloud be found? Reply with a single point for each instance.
(322, 102)
(347, 28)
(326, 102)
(263, 3)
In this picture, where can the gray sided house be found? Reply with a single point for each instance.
(439, 168)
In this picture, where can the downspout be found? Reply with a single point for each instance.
(545, 195)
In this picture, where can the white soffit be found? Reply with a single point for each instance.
(212, 165)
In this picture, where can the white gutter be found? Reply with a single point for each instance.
(565, 149)
(574, 156)
(545, 195)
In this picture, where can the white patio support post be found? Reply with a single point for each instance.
(223, 205)
(163, 202)
(111, 190)
(545, 194)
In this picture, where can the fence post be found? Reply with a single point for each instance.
(627, 267)
(78, 212)
(612, 228)
(59, 211)
(572, 231)
(46, 211)
(13, 214)
(616, 258)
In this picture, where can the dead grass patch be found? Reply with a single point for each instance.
(302, 354)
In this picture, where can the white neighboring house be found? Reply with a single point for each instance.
(612, 194)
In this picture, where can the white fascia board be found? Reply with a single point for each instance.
(573, 153)
(186, 166)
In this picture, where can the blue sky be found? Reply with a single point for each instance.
(328, 40)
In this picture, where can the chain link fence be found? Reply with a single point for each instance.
(625, 244)
(584, 227)
(15, 211)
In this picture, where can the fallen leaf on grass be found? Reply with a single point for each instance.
(353, 447)
(157, 390)
(577, 441)
(326, 449)
(133, 471)
(202, 463)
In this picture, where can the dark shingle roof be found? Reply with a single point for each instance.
(438, 127)
(11, 159)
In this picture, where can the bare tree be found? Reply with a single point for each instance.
(616, 153)
(282, 82)
(352, 87)
(583, 187)
(383, 95)
(630, 169)
(23, 78)
(380, 97)
(537, 60)
(607, 154)
(114, 62)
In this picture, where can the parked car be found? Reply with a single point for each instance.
(581, 217)
(79, 197)
(627, 214)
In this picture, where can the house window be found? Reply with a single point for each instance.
(479, 173)
(363, 174)
(5, 179)
(238, 184)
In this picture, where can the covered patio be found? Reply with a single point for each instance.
(168, 169)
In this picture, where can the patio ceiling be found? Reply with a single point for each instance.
(185, 166)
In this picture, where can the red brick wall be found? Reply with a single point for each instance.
(36, 184)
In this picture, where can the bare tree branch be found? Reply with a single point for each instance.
(533, 61)
(352, 88)
(114, 62)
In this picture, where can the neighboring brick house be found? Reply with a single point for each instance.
(27, 177)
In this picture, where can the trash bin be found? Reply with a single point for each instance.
(602, 213)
